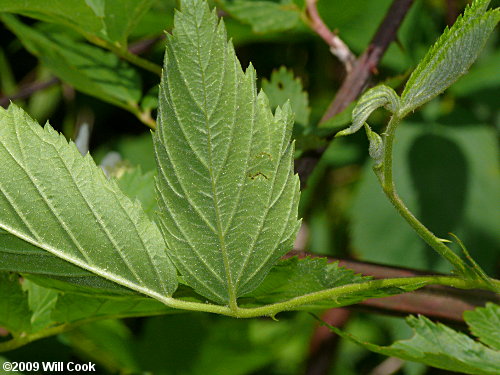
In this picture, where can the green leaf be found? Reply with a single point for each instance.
(111, 20)
(451, 56)
(295, 277)
(89, 69)
(137, 185)
(41, 302)
(14, 309)
(484, 323)
(119, 17)
(284, 86)
(264, 16)
(69, 208)
(20, 256)
(226, 189)
(72, 307)
(376, 97)
(110, 343)
(90, 284)
(50, 271)
(438, 346)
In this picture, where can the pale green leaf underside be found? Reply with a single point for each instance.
(61, 202)
(451, 56)
(439, 346)
(227, 193)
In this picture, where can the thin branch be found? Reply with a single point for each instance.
(337, 45)
(358, 78)
(324, 343)
(28, 90)
(366, 65)
(144, 45)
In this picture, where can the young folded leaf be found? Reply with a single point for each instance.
(376, 97)
(61, 202)
(227, 192)
(451, 56)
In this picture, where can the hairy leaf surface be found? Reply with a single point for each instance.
(227, 193)
(439, 346)
(376, 97)
(451, 56)
(61, 202)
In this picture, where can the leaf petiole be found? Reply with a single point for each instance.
(406, 283)
(386, 179)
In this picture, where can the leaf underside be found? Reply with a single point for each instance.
(227, 193)
(451, 56)
(61, 202)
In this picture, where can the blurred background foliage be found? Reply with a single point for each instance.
(446, 160)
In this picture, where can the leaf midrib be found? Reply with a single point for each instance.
(230, 287)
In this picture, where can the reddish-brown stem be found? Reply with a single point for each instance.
(324, 343)
(141, 46)
(337, 45)
(366, 65)
(358, 78)
(28, 90)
